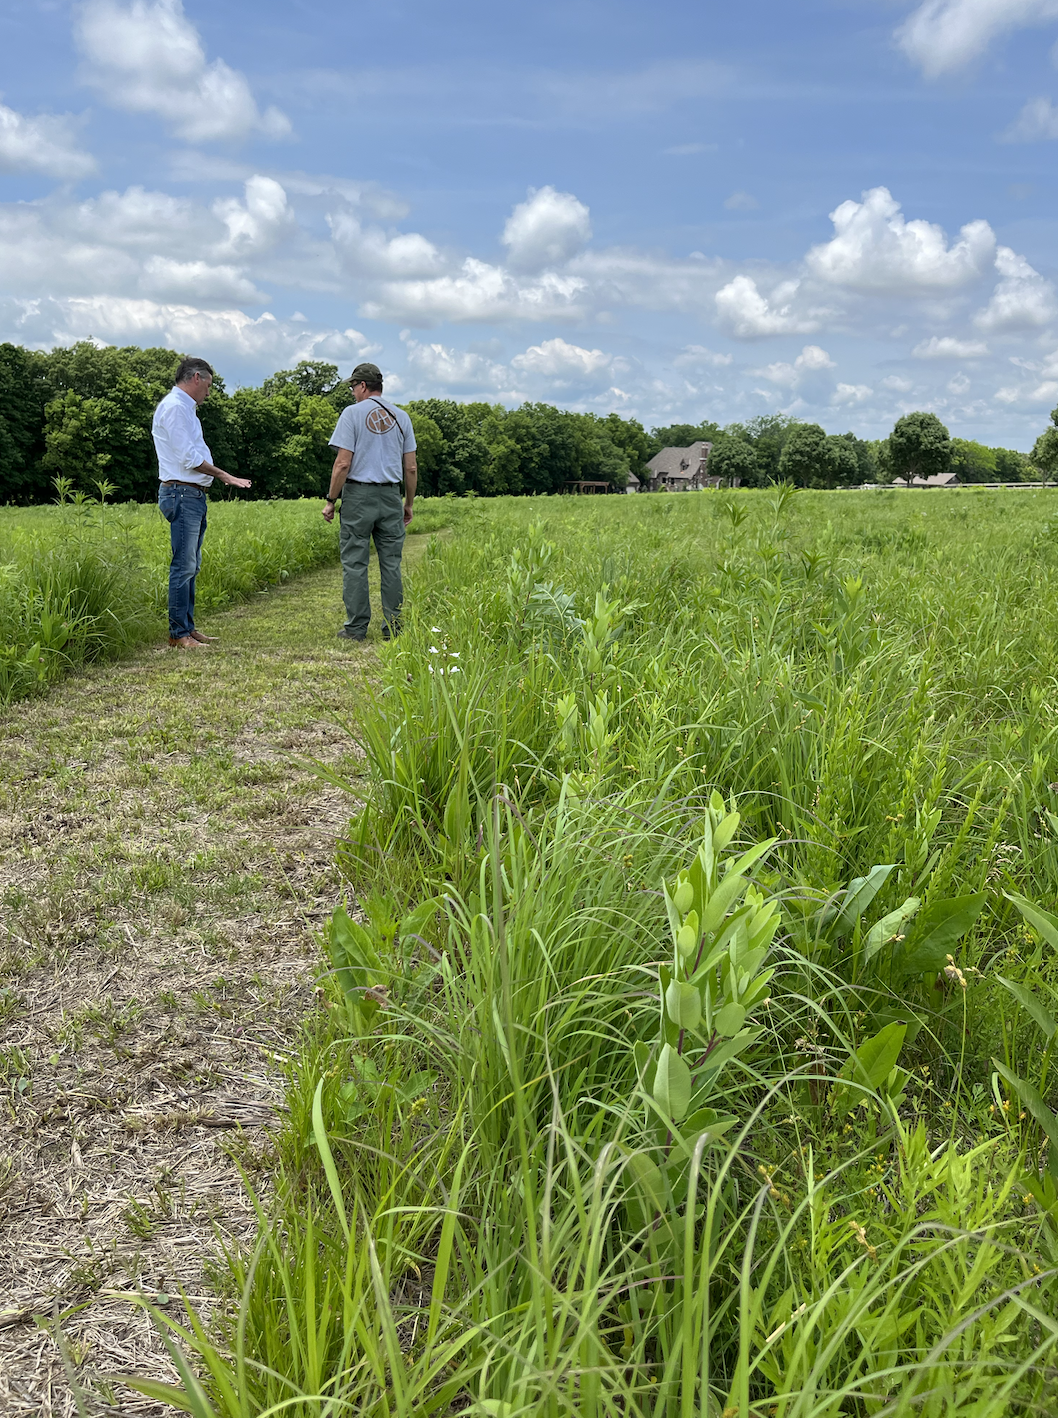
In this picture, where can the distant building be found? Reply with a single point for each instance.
(634, 485)
(936, 480)
(680, 469)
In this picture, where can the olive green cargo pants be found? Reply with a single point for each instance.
(371, 510)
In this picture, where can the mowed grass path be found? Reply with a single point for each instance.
(166, 855)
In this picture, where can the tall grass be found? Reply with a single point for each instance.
(81, 581)
(629, 1100)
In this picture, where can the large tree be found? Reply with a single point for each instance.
(734, 462)
(919, 447)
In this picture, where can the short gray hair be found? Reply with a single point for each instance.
(191, 365)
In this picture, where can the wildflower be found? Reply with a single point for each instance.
(952, 972)
(861, 1236)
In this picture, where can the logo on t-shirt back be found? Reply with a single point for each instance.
(380, 420)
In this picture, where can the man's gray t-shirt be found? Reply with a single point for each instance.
(377, 434)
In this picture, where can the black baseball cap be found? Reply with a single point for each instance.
(368, 373)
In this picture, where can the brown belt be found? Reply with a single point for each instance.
(178, 482)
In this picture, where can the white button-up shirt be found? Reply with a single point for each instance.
(178, 440)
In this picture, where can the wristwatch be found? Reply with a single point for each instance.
(332, 500)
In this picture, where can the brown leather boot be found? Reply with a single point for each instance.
(184, 642)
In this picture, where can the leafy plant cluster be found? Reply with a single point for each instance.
(628, 1095)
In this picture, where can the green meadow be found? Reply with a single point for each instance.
(687, 1030)
(82, 580)
(686, 1014)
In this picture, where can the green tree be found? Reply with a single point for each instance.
(919, 447)
(309, 376)
(1012, 466)
(807, 458)
(972, 462)
(734, 462)
(429, 445)
(24, 392)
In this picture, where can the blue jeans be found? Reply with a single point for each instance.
(183, 505)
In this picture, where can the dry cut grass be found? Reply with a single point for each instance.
(166, 851)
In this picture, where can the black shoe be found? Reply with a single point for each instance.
(345, 634)
(390, 632)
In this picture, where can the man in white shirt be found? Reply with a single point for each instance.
(376, 450)
(185, 470)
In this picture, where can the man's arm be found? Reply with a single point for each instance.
(411, 482)
(339, 472)
(214, 472)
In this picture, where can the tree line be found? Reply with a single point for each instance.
(84, 412)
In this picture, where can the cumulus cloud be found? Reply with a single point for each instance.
(545, 230)
(741, 202)
(811, 360)
(44, 144)
(849, 395)
(456, 370)
(478, 292)
(949, 347)
(181, 326)
(256, 223)
(944, 35)
(370, 251)
(875, 249)
(1023, 299)
(562, 362)
(148, 58)
(746, 313)
(198, 280)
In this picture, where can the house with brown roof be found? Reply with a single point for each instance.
(680, 469)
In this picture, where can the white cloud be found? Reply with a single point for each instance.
(949, 347)
(851, 394)
(565, 363)
(479, 292)
(698, 356)
(459, 370)
(958, 385)
(741, 202)
(256, 223)
(747, 314)
(369, 251)
(179, 326)
(943, 35)
(811, 360)
(43, 144)
(1037, 121)
(198, 280)
(546, 230)
(876, 249)
(897, 384)
(1022, 300)
(688, 150)
(1045, 393)
(147, 57)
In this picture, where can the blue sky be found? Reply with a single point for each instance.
(844, 209)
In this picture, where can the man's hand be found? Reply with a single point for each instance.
(237, 482)
(408, 514)
(328, 511)
(211, 470)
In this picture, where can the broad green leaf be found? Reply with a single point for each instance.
(1037, 1107)
(730, 1019)
(1032, 1006)
(873, 1060)
(725, 830)
(648, 1179)
(672, 1084)
(733, 883)
(683, 898)
(861, 892)
(936, 931)
(688, 935)
(1040, 920)
(883, 931)
(684, 1004)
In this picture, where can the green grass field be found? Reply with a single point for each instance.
(689, 1024)
(80, 581)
